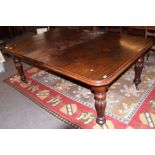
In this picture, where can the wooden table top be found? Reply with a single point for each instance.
(93, 58)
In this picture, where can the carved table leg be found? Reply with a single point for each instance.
(138, 70)
(19, 68)
(100, 103)
(147, 55)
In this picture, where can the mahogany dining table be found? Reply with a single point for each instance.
(96, 59)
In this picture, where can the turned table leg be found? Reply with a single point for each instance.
(147, 55)
(100, 103)
(138, 70)
(19, 68)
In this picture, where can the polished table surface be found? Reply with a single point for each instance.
(94, 58)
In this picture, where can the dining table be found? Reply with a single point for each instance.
(96, 59)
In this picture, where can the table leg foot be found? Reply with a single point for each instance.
(19, 68)
(100, 103)
(138, 70)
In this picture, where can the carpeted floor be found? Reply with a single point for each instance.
(18, 112)
(65, 100)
